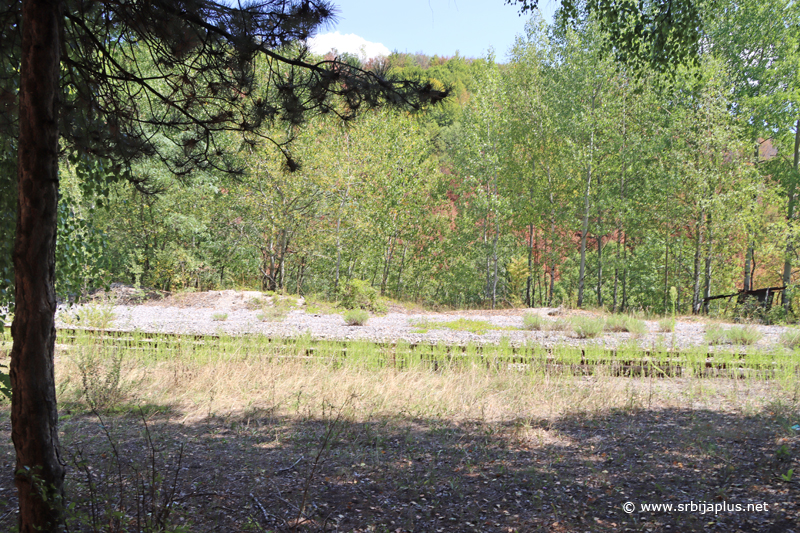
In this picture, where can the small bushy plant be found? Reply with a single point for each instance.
(746, 335)
(356, 317)
(587, 327)
(358, 294)
(101, 377)
(98, 316)
(625, 323)
(534, 322)
(715, 334)
(562, 324)
(219, 317)
(791, 338)
(666, 325)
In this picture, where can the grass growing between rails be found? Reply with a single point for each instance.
(741, 335)
(250, 435)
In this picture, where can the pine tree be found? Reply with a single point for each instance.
(103, 81)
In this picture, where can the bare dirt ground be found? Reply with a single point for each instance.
(576, 473)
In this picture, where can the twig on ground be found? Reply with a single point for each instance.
(282, 470)
(261, 508)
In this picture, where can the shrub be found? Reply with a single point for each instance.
(616, 323)
(715, 335)
(356, 317)
(219, 317)
(358, 294)
(101, 377)
(778, 314)
(562, 324)
(98, 316)
(746, 335)
(666, 325)
(532, 321)
(587, 327)
(625, 323)
(791, 338)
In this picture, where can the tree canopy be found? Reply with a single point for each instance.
(660, 34)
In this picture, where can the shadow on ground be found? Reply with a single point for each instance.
(256, 472)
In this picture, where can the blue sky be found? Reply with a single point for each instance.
(434, 27)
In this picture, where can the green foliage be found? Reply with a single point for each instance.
(444, 207)
(356, 317)
(791, 338)
(358, 294)
(661, 36)
(625, 323)
(101, 377)
(99, 315)
(478, 327)
(673, 298)
(219, 317)
(5, 382)
(517, 271)
(715, 334)
(586, 327)
(534, 322)
(745, 335)
(666, 325)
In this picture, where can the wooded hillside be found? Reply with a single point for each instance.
(551, 176)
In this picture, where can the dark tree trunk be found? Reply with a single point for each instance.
(709, 257)
(400, 274)
(696, 300)
(34, 414)
(528, 286)
(749, 262)
(599, 267)
(666, 273)
(792, 194)
(624, 272)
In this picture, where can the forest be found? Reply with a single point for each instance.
(554, 175)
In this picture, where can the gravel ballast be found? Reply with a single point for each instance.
(233, 313)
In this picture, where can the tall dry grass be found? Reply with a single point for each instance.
(242, 376)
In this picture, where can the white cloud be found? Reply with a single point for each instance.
(350, 43)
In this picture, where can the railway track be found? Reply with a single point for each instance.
(535, 358)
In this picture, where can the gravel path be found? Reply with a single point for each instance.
(201, 313)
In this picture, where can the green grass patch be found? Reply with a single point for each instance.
(791, 338)
(534, 322)
(356, 317)
(745, 335)
(715, 334)
(625, 324)
(478, 327)
(666, 325)
(742, 335)
(586, 327)
(562, 324)
(99, 316)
